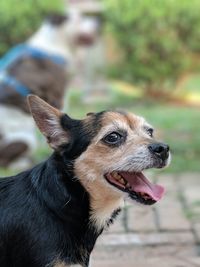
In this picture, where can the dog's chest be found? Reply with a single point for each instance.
(113, 217)
(91, 236)
(103, 215)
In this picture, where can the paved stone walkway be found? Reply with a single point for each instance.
(165, 235)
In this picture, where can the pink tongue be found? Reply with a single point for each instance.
(139, 183)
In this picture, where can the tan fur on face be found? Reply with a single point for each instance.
(57, 263)
(61, 264)
(99, 159)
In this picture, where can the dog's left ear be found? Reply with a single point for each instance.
(48, 120)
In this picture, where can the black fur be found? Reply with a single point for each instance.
(113, 217)
(44, 212)
(56, 19)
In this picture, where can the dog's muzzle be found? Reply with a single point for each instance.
(159, 150)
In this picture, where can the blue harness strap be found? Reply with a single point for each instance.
(36, 53)
(19, 52)
(24, 50)
(12, 82)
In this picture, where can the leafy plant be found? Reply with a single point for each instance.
(156, 38)
(20, 18)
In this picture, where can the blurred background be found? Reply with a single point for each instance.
(144, 58)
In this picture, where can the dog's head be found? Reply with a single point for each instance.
(109, 150)
(74, 28)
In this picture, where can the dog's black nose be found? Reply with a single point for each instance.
(159, 149)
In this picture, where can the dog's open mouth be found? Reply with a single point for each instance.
(136, 185)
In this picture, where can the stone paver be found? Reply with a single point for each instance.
(196, 226)
(170, 212)
(190, 186)
(150, 239)
(171, 215)
(141, 219)
(141, 252)
(166, 234)
(155, 256)
(150, 262)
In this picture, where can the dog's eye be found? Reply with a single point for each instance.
(113, 138)
(150, 132)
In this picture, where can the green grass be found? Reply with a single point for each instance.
(190, 89)
(192, 84)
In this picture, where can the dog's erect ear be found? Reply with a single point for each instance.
(48, 120)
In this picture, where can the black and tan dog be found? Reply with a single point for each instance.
(51, 215)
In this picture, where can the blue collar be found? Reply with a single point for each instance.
(24, 50)
(7, 80)
(16, 53)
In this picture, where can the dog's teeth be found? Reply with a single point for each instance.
(122, 181)
(114, 174)
(117, 176)
(128, 186)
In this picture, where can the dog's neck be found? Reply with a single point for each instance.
(50, 39)
(69, 201)
(103, 201)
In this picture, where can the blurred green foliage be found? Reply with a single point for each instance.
(158, 40)
(20, 18)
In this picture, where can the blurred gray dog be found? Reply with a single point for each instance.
(40, 66)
